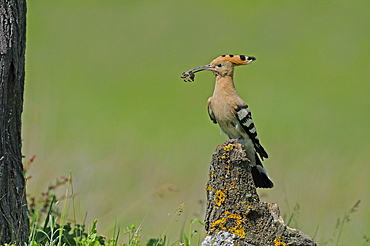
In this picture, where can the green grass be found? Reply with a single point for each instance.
(52, 224)
(104, 99)
(335, 239)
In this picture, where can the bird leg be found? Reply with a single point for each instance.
(231, 141)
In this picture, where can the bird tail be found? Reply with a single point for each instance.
(260, 177)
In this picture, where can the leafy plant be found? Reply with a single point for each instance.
(49, 224)
(187, 239)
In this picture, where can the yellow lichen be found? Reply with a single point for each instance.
(220, 197)
(225, 155)
(246, 213)
(238, 229)
(278, 242)
(228, 147)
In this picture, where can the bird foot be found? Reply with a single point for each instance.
(231, 141)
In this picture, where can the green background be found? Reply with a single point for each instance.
(104, 99)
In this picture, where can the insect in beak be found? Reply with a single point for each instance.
(189, 76)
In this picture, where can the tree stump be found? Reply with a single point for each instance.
(235, 215)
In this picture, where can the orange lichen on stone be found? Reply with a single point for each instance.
(220, 197)
(225, 155)
(278, 242)
(246, 213)
(228, 147)
(223, 224)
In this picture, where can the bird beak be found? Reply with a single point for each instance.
(251, 59)
(190, 75)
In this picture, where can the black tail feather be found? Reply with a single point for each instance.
(260, 179)
(260, 176)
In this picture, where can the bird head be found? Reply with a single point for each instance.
(221, 66)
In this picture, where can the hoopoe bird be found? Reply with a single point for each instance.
(232, 114)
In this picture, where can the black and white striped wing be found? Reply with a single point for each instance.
(245, 118)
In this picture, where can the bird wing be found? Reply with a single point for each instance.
(210, 112)
(244, 116)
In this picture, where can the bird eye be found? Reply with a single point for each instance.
(219, 65)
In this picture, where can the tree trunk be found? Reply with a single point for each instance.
(14, 226)
(235, 215)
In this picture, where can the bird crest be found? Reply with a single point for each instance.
(235, 59)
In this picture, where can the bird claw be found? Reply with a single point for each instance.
(231, 141)
(188, 76)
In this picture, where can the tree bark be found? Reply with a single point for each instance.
(14, 225)
(235, 215)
